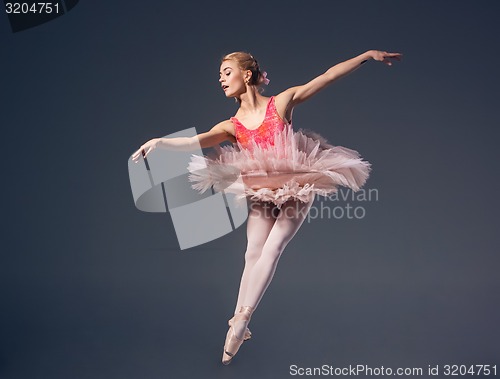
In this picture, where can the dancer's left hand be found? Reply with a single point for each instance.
(384, 56)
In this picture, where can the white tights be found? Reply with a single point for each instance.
(269, 230)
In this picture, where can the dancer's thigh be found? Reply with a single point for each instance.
(261, 218)
(288, 222)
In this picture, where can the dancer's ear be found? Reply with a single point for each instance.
(247, 76)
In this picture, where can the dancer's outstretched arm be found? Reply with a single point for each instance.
(298, 94)
(219, 133)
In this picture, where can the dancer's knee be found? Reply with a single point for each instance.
(272, 251)
(253, 254)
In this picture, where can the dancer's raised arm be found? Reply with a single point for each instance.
(219, 133)
(298, 94)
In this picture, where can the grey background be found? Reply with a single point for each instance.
(93, 288)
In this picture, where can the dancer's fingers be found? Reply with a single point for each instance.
(394, 56)
(135, 156)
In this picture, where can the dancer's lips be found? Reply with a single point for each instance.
(224, 87)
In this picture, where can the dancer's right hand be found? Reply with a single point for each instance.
(146, 149)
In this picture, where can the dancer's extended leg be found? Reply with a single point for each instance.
(260, 221)
(288, 222)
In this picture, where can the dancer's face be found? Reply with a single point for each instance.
(231, 78)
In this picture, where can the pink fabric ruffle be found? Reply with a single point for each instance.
(298, 165)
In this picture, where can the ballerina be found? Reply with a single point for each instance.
(282, 170)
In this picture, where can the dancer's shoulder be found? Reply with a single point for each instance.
(284, 104)
(223, 131)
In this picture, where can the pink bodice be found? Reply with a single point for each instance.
(264, 133)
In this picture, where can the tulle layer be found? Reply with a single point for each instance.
(295, 165)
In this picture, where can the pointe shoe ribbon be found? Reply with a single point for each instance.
(248, 333)
(233, 343)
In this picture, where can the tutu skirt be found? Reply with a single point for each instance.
(296, 165)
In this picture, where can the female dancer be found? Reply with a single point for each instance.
(282, 169)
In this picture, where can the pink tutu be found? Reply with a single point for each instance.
(297, 165)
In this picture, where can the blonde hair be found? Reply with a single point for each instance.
(246, 61)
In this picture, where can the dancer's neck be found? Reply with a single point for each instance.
(251, 102)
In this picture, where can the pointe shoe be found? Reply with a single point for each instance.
(248, 333)
(233, 343)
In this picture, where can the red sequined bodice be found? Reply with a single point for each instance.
(264, 133)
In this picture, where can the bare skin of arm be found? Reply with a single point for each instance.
(221, 132)
(288, 99)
